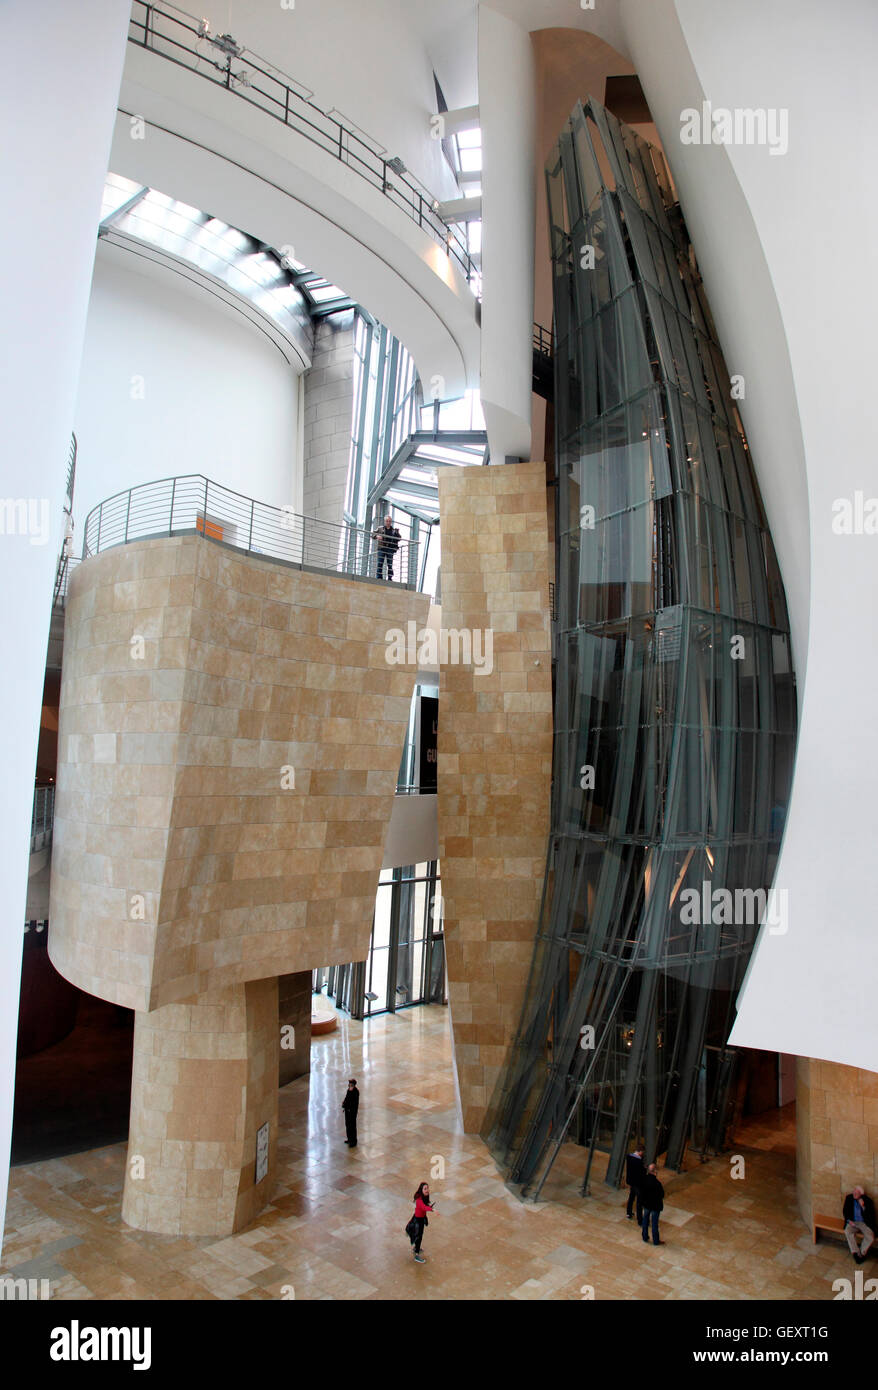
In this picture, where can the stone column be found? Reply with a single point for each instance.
(495, 758)
(204, 1082)
(836, 1134)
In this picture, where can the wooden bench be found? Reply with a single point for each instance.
(833, 1224)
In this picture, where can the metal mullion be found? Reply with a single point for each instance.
(393, 943)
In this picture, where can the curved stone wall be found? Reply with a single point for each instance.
(230, 736)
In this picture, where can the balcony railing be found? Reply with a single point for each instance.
(180, 38)
(542, 341)
(193, 505)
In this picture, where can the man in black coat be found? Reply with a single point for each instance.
(652, 1196)
(635, 1172)
(388, 539)
(859, 1220)
(350, 1105)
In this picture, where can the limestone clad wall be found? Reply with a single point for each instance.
(230, 736)
(204, 1082)
(836, 1134)
(495, 758)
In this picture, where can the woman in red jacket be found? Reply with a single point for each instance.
(422, 1206)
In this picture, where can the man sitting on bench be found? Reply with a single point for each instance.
(859, 1220)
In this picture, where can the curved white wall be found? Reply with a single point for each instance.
(507, 107)
(174, 381)
(811, 991)
(60, 80)
(369, 61)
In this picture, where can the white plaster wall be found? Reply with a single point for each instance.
(369, 61)
(174, 381)
(60, 81)
(507, 108)
(811, 990)
(413, 832)
(225, 155)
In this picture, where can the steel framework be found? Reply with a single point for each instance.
(675, 697)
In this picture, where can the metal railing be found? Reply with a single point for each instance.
(193, 505)
(542, 341)
(63, 570)
(180, 38)
(71, 472)
(42, 818)
(66, 566)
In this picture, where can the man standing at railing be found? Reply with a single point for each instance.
(388, 539)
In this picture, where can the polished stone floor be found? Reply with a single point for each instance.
(335, 1227)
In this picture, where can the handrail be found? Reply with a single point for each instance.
(63, 569)
(542, 341)
(66, 566)
(192, 505)
(71, 472)
(281, 100)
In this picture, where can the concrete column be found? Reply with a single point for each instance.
(329, 403)
(205, 1081)
(62, 69)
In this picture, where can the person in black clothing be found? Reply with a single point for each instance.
(652, 1195)
(859, 1223)
(635, 1172)
(388, 539)
(350, 1105)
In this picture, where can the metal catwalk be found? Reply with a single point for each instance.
(675, 706)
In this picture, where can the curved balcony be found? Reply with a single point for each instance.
(193, 505)
(173, 34)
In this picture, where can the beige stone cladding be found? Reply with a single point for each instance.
(230, 736)
(836, 1135)
(495, 759)
(204, 1083)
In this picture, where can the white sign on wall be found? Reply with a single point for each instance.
(262, 1152)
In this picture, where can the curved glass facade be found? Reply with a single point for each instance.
(675, 699)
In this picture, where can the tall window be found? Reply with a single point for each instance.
(406, 962)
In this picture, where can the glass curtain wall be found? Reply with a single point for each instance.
(410, 778)
(407, 957)
(406, 962)
(387, 405)
(675, 708)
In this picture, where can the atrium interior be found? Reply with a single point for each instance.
(429, 600)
